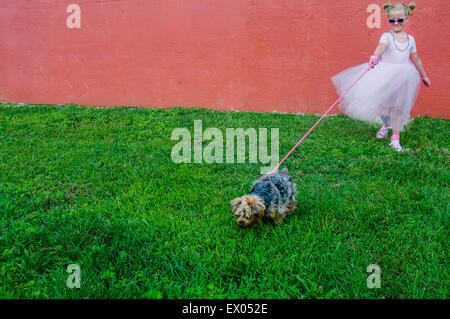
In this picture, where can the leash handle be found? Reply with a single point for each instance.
(340, 98)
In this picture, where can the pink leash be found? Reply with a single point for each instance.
(340, 98)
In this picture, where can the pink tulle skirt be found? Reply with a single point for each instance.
(386, 94)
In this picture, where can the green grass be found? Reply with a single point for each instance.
(97, 187)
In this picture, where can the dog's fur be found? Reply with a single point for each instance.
(272, 196)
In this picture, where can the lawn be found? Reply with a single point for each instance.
(97, 187)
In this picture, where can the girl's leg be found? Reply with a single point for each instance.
(397, 118)
(384, 130)
(395, 135)
(385, 116)
(395, 140)
(397, 111)
(396, 127)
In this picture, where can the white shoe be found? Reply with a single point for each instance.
(396, 146)
(382, 132)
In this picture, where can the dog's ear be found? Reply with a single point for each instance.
(258, 208)
(235, 203)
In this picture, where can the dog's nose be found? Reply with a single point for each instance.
(241, 225)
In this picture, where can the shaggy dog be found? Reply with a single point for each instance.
(272, 196)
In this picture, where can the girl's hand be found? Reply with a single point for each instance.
(426, 81)
(373, 61)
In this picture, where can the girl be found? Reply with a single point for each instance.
(388, 92)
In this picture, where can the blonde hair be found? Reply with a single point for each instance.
(408, 8)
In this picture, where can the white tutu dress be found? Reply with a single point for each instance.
(385, 94)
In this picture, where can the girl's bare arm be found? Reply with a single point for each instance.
(418, 63)
(378, 51)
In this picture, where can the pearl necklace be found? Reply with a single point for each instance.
(393, 37)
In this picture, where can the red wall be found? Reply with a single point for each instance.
(260, 55)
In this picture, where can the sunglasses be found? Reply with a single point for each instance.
(401, 20)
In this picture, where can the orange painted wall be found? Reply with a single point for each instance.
(260, 55)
